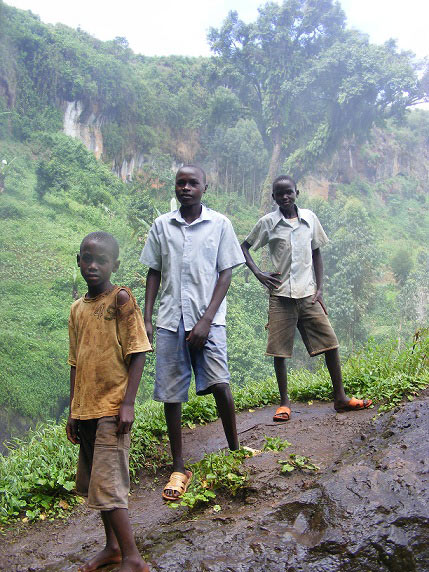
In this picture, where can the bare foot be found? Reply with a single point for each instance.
(133, 565)
(104, 557)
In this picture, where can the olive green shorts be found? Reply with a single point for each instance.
(287, 314)
(103, 471)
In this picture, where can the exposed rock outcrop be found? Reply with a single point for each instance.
(85, 125)
(369, 512)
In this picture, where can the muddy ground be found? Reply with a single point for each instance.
(367, 508)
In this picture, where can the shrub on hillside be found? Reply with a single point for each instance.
(68, 168)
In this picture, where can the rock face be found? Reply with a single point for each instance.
(84, 125)
(368, 512)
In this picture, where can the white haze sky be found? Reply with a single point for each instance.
(165, 27)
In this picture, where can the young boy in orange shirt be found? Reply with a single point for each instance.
(108, 342)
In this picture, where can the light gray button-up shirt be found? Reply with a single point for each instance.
(190, 257)
(290, 249)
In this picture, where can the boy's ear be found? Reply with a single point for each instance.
(297, 192)
(116, 265)
(78, 259)
(206, 187)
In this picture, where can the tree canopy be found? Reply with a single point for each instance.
(309, 82)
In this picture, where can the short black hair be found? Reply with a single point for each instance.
(200, 169)
(108, 239)
(284, 178)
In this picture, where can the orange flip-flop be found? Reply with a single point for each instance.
(282, 414)
(354, 405)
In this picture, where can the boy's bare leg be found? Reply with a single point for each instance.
(111, 553)
(173, 417)
(120, 545)
(226, 409)
(332, 359)
(119, 521)
(281, 376)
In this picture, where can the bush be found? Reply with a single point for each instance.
(10, 210)
(39, 471)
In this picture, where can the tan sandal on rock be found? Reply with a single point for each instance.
(178, 483)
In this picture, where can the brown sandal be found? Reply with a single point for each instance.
(178, 483)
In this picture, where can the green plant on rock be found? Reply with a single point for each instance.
(216, 472)
(275, 444)
(297, 462)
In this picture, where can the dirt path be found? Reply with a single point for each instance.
(314, 430)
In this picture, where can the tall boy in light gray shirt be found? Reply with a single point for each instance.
(190, 253)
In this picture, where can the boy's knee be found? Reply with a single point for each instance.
(221, 389)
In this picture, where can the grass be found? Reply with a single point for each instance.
(38, 474)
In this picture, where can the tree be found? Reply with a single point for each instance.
(351, 264)
(307, 80)
(401, 264)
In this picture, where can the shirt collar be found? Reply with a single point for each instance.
(205, 215)
(278, 216)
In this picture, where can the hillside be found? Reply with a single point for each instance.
(90, 136)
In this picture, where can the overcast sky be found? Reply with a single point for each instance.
(164, 27)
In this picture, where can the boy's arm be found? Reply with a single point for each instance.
(268, 279)
(72, 424)
(126, 411)
(318, 272)
(153, 281)
(198, 335)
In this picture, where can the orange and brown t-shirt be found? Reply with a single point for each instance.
(103, 335)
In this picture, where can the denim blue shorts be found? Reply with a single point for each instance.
(175, 360)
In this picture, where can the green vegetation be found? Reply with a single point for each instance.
(308, 81)
(275, 444)
(297, 462)
(216, 472)
(38, 473)
(313, 98)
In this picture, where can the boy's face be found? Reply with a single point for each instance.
(96, 263)
(190, 186)
(285, 194)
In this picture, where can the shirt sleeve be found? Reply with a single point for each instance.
(131, 331)
(229, 252)
(319, 236)
(72, 340)
(258, 236)
(151, 253)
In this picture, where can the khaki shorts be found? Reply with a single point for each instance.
(286, 314)
(103, 471)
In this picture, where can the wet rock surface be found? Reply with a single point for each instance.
(366, 509)
(367, 512)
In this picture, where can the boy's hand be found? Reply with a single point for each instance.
(318, 298)
(269, 279)
(125, 418)
(149, 330)
(72, 431)
(198, 335)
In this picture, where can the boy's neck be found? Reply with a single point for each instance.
(95, 291)
(191, 212)
(290, 212)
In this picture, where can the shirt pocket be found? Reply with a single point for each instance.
(302, 245)
(208, 256)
